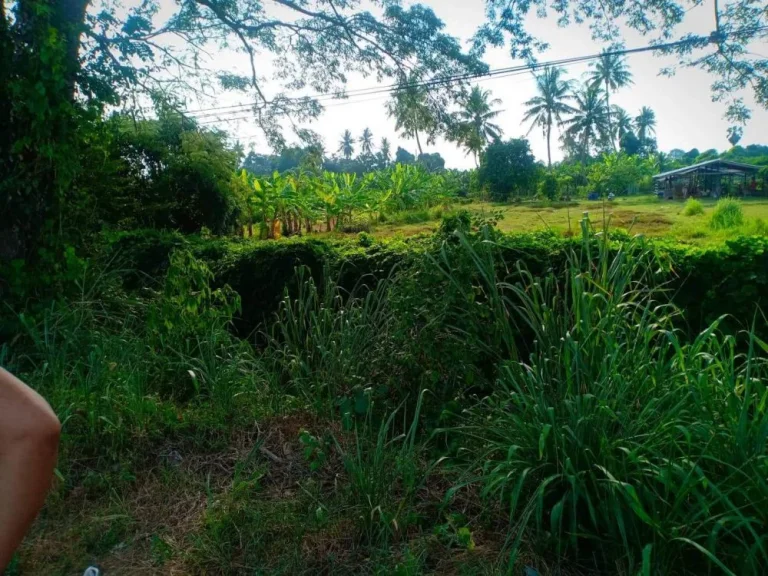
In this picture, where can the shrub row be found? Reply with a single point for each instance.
(705, 283)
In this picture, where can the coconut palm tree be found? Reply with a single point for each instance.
(366, 143)
(549, 105)
(589, 123)
(347, 145)
(646, 125)
(622, 122)
(611, 72)
(411, 112)
(385, 151)
(475, 128)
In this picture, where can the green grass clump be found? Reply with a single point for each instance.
(728, 213)
(612, 429)
(693, 207)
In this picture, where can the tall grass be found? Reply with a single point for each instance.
(121, 371)
(693, 207)
(728, 213)
(615, 440)
(385, 473)
(324, 340)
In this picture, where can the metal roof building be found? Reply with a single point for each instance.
(711, 178)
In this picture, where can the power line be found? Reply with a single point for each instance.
(231, 115)
(232, 110)
(456, 78)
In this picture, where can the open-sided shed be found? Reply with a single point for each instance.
(712, 178)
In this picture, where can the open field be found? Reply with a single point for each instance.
(641, 214)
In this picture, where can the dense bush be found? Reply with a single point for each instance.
(508, 168)
(589, 455)
(705, 283)
(175, 177)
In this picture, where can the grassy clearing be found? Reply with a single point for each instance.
(646, 214)
(458, 416)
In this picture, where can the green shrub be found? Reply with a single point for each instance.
(728, 213)
(693, 207)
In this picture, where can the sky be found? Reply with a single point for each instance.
(686, 116)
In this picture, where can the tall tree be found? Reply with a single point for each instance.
(622, 122)
(550, 105)
(347, 145)
(475, 128)
(589, 123)
(385, 151)
(646, 125)
(413, 116)
(610, 71)
(366, 142)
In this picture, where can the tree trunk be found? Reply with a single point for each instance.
(67, 18)
(608, 105)
(418, 142)
(73, 23)
(549, 149)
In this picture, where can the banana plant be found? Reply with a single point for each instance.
(262, 206)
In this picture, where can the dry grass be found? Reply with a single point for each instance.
(128, 533)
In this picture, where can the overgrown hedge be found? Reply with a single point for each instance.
(260, 271)
(705, 282)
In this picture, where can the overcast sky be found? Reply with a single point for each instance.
(686, 116)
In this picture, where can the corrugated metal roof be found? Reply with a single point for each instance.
(710, 166)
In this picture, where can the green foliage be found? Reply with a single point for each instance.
(385, 475)
(508, 168)
(321, 339)
(175, 176)
(294, 203)
(597, 445)
(617, 173)
(727, 213)
(548, 186)
(364, 329)
(402, 156)
(474, 128)
(693, 207)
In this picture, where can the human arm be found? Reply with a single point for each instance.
(29, 440)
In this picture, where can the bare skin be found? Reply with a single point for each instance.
(29, 441)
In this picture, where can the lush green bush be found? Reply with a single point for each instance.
(548, 186)
(508, 168)
(728, 213)
(174, 176)
(693, 207)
